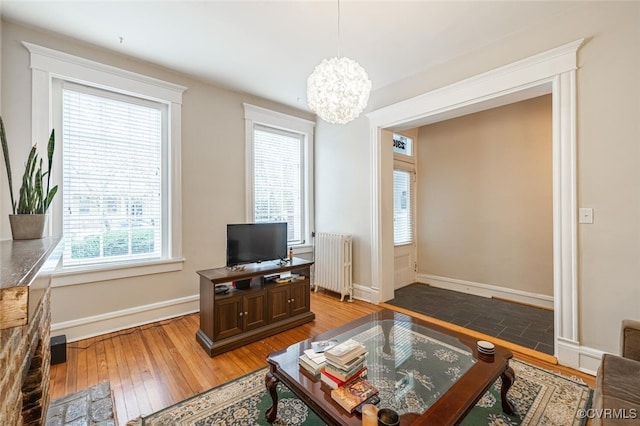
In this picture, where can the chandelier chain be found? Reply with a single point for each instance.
(338, 88)
(339, 53)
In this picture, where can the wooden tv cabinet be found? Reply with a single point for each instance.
(263, 308)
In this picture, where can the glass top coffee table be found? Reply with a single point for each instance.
(426, 373)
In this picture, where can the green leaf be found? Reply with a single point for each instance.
(7, 163)
(33, 199)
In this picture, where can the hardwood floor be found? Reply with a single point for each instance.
(154, 366)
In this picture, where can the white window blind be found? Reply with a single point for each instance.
(112, 177)
(403, 202)
(278, 158)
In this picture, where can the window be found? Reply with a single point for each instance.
(279, 170)
(402, 145)
(118, 147)
(277, 179)
(403, 201)
(403, 190)
(112, 176)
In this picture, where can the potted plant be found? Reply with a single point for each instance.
(29, 213)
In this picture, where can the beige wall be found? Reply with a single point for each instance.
(484, 198)
(213, 174)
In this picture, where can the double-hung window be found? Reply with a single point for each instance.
(118, 149)
(113, 165)
(279, 170)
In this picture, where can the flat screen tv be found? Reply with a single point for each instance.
(256, 242)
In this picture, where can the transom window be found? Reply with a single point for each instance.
(402, 145)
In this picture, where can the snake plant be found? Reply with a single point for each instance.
(33, 199)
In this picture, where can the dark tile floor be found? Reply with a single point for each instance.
(521, 324)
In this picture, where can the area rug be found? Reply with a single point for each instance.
(539, 397)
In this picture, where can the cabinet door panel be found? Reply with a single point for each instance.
(300, 294)
(278, 303)
(227, 321)
(255, 310)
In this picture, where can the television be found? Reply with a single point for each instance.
(256, 242)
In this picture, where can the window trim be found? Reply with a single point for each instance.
(47, 64)
(255, 115)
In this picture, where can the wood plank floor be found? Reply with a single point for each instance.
(154, 366)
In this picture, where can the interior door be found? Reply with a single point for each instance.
(404, 190)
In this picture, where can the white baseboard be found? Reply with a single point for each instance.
(83, 328)
(590, 360)
(486, 290)
(582, 358)
(365, 293)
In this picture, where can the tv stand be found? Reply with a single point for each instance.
(261, 308)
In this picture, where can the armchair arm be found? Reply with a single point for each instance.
(630, 339)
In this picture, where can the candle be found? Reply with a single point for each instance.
(369, 415)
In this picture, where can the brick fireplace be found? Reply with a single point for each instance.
(25, 354)
(24, 361)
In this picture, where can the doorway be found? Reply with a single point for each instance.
(552, 72)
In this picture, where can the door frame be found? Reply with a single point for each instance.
(553, 71)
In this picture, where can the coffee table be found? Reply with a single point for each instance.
(428, 374)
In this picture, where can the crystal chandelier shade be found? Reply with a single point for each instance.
(338, 90)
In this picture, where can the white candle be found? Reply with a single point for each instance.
(369, 415)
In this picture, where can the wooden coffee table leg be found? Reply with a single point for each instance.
(270, 381)
(508, 376)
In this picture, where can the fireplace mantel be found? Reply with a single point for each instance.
(20, 292)
(25, 323)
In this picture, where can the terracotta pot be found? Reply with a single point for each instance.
(27, 226)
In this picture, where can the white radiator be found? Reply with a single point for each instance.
(333, 264)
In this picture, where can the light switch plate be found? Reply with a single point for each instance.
(585, 215)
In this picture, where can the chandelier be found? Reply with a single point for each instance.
(338, 88)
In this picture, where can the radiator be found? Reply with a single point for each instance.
(333, 264)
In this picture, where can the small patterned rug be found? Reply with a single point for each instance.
(539, 397)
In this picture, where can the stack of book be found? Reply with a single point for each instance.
(344, 372)
(313, 362)
(344, 362)
(346, 356)
(337, 371)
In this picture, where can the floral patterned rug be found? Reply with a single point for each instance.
(539, 397)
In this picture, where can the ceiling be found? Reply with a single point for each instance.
(268, 48)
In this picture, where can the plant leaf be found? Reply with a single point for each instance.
(7, 163)
(51, 146)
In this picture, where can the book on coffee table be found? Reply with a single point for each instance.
(334, 382)
(313, 366)
(323, 345)
(353, 393)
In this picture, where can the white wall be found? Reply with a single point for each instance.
(342, 190)
(212, 194)
(608, 107)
